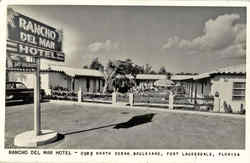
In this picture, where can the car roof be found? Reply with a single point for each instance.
(11, 82)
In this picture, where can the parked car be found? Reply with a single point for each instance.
(18, 91)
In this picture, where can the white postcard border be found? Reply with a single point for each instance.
(78, 158)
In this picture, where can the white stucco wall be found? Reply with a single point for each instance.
(81, 82)
(97, 85)
(27, 78)
(101, 85)
(92, 85)
(45, 82)
(220, 83)
(224, 85)
(59, 79)
(53, 79)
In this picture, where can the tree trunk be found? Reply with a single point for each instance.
(105, 87)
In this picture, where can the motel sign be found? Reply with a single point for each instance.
(23, 49)
(27, 36)
(30, 37)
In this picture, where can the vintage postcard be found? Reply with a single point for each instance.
(124, 82)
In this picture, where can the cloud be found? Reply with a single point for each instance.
(107, 45)
(233, 51)
(221, 36)
(172, 42)
(241, 36)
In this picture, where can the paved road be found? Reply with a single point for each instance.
(99, 127)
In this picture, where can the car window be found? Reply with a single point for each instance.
(20, 85)
(10, 85)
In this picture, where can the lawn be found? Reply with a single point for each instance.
(107, 127)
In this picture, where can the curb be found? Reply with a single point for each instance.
(124, 106)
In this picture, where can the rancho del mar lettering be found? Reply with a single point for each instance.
(47, 39)
(27, 30)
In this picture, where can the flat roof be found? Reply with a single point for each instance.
(230, 70)
(150, 76)
(75, 71)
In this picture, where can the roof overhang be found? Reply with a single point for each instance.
(202, 76)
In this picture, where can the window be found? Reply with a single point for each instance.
(99, 85)
(87, 84)
(20, 86)
(103, 83)
(239, 90)
(202, 88)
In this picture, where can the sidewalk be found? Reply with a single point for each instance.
(151, 107)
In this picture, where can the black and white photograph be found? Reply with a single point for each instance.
(117, 77)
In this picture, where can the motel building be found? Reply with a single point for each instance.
(89, 81)
(52, 76)
(148, 80)
(228, 84)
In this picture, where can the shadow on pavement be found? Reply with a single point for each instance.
(165, 106)
(96, 128)
(59, 138)
(134, 121)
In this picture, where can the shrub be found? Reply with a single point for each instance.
(242, 109)
(59, 92)
(227, 108)
(123, 85)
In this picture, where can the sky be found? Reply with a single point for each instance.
(183, 39)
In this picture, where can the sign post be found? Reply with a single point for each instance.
(30, 37)
(37, 111)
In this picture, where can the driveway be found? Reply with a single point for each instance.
(83, 126)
